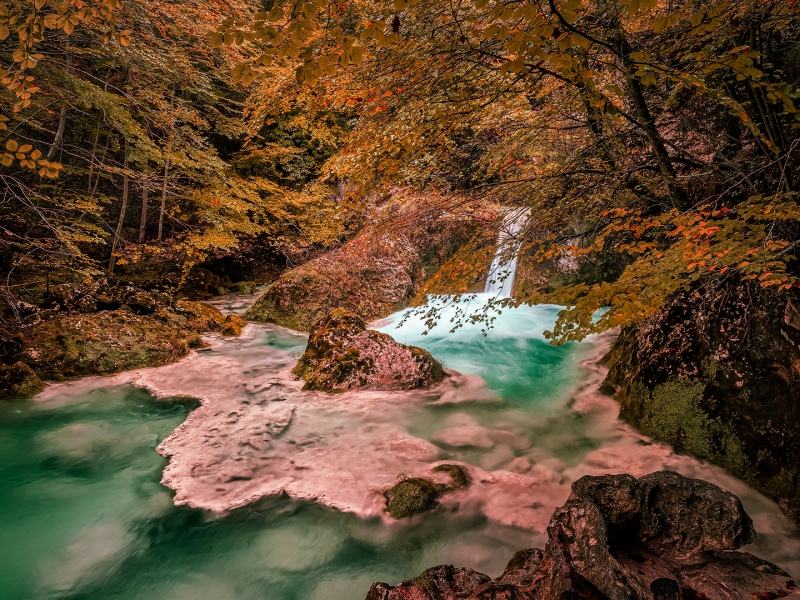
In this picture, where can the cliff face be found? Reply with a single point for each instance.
(717, 373)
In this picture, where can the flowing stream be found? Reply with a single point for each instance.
(86, 517)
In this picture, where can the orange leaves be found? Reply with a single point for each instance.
(29, 158)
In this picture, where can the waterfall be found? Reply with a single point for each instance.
(500, 281)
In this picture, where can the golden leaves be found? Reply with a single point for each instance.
(29, 158)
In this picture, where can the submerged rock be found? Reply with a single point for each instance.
(418, 494)
(621, 538)
(342, 354)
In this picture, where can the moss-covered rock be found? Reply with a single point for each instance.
(362, 277)
(717, 374)
(76, 345)
(411, 496)
(203, 317)
(342, 354)
(417, 494)
(103, 343)
(18, 381)
(372, 275)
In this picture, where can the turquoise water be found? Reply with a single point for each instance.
(85, 517)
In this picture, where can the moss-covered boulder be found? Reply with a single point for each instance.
(370, 277)
(417, 494)
(18, 381)
(106, 342)
(374, 274)
(717, 373)
(342, 354)
(203, 317)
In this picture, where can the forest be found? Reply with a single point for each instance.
(454, 253)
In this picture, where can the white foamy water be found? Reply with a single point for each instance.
(260, 461)
(503, 270)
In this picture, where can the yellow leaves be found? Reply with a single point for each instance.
(124, 37)
(569, 16)
(29, 159)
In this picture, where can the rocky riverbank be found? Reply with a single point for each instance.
(101, 329)
(662, 536)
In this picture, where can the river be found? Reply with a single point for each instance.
(279, 491)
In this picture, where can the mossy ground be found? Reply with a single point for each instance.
(76, 345)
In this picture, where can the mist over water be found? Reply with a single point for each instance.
(86, 517)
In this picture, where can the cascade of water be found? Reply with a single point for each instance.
(502, 272)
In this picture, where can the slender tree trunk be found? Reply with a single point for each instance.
(143, 219)
(62, 125)
(163, 202)
(122, 211)
(94, 153)
(663, 160)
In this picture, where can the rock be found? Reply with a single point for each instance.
(106, 342)
(412, 496)
(18, 381)
(717, 374)
(417, 494)
(245, 287)
(373, 274)
(204, 317)
(662, 537)
(342, 354)
(368, 277)
(87, 298)
(444, 581)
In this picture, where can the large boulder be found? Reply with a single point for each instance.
(106, 342)
(717, 373)
(661, 537)
(342, 354)
(371, 276)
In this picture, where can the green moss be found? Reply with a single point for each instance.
(245, 287)
(18, 381)
(411, 496)
(417, 494)
(459, 478)
(673, 414)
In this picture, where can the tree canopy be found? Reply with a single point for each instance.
(664, 131)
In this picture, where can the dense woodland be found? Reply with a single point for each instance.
(656, 142)
(158, 132)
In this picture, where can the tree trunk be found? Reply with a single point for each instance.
(62, 125)
(143, 220)
(663, 160)
(163, 202)
(122, 211)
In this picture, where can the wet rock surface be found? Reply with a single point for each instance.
(621, 538)
(342, 354)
